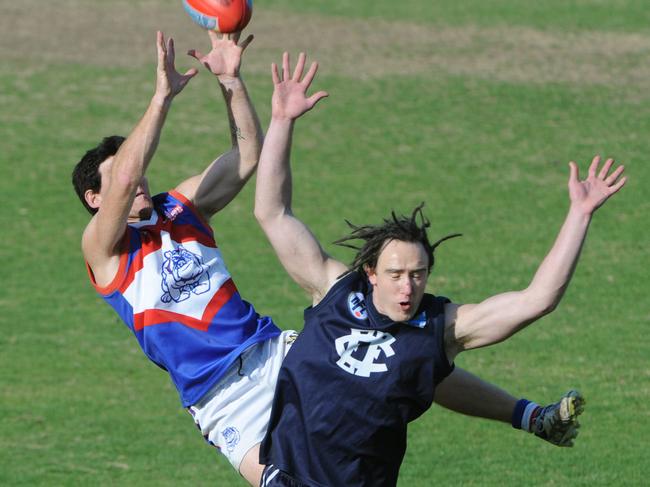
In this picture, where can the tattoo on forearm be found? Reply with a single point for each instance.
(237, 133)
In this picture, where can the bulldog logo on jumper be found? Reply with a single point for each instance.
(183, 274)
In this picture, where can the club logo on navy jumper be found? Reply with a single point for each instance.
(183, 274)
(377, 342)
(231, 435)
(357, 306)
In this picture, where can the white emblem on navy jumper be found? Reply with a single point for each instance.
(183, 273)
(357, 306)
(374, 342)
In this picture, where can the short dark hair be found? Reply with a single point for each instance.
(86, 175)
(398, 227)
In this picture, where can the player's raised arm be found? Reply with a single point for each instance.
(125, 173)
(297, 248)
(497, 318)
(222, 180)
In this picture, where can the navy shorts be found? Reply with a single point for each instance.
(274, 477)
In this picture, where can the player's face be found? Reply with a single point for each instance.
(399, 279)
(142, 204)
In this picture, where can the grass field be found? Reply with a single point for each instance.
(474, 107)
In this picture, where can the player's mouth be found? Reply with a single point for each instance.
(405, 306)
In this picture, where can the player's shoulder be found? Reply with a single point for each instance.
(102, 261)
(435, 300)
(451, 311)
(433, 304)
(99, 246)
(91, 239)
(347, 280)
(343, 283)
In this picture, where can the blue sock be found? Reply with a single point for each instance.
(522, 414)
(518, 413)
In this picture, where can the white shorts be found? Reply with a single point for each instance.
(234, 415)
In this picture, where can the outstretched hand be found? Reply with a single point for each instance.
(592, 192)
(225, 57)
(169, 82)
(290, 100)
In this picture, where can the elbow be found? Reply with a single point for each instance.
(249, 153)
(543, 302)
(246, 161)
(269, 218)
(125, 180)
(549, 307)
(541, 309)
(260, 215)
(263, 215)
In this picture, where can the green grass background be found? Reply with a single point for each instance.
(81, 405)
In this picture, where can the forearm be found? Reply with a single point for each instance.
(465, 393)
(554, 273)
(224, 178)
(273, 188)
(245, 129)
(134, 155)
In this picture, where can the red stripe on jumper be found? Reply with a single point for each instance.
(153, 317)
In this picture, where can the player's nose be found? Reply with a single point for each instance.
(407, 286)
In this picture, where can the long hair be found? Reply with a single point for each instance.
(398, 227)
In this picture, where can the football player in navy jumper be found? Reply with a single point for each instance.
(375, 346)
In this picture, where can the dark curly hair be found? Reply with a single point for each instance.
(86, 175)
(398, 227)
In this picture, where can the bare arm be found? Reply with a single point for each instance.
(104, 232)
(465, 393)
(297, 248)
(497, 318)
(222, 180)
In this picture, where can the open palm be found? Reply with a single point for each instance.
(592, 192)
(224, 59)
(290, 98)
(170, 82)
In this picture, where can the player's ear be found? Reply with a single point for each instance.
(370, 272)
(93, 199)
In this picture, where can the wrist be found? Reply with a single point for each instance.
(282, 120)
(581, 211)
(229, 81)
(162, 100)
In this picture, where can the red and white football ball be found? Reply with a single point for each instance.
(223, 16)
